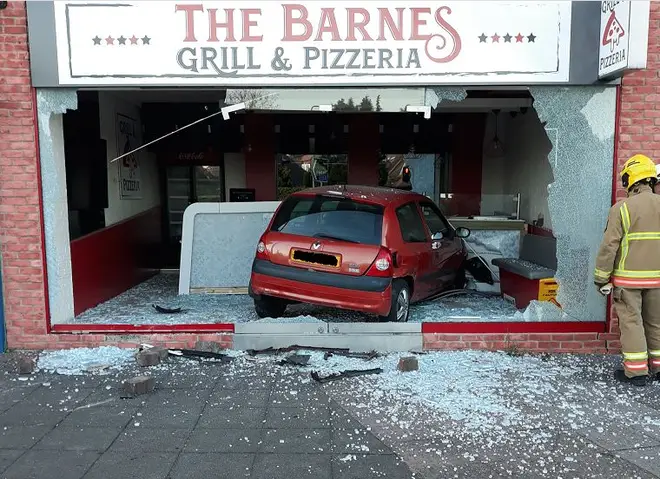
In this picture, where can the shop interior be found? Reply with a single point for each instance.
(486, 159)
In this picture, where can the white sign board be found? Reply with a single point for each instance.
(330, 43)
(126, 131)
(614, 37)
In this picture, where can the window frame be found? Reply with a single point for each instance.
(415, 206)
(449, 232)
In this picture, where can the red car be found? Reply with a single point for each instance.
(374, 250)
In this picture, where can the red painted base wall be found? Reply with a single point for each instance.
(107, 262)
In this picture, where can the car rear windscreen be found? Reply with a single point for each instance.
(330, 217)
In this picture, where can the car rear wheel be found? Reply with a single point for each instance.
(269, 307)
(400, 308)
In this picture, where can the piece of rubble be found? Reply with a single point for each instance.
(139, 385)
(26, 365)
(407, 364)
(148, 357)
(295, 360)
(350, 373)
(366, 356)
(163, 310)
(209, 347)
(192, 353)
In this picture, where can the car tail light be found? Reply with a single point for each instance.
(262, 252)
(382, 265)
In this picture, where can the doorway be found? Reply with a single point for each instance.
(185, 185)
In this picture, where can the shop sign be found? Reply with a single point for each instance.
(623, 37)
(614, 36)
(338, 43)
(127, 129)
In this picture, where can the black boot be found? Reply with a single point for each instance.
(639, 381)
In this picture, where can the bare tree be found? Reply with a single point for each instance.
(254, 98)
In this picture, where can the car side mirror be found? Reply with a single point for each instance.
(462, 232)
(437, 236)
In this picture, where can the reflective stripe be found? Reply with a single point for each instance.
(636, 356)
(637, 274)
(636, 366)
(636, 283)
(644, 236)
(654, 352)
(655, 362)
(625, 221)
(602, 274)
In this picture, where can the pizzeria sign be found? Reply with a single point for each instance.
(264, 43)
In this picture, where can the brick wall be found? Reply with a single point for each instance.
(20, 214)
(21, 240)
(639, 120)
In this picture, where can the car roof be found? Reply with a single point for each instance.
(372, 194)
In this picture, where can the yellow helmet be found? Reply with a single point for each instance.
(638, 168)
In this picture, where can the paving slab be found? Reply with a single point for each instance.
(356, 466)
(21, 437)
(57, 464)
(238, 398)
(100, 416)
(184, 417)
(212, 465)
(647, 459)
(310, 417)
(8, 457)
(67, 438)
(14, 394)
(296, 441)
(139, 439)
(243, 440)
(298, 466)
(26, 414)
(218, 417)
(137, 465)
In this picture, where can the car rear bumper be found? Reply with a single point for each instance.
(358, 293)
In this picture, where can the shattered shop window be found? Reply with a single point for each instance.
(298, 172)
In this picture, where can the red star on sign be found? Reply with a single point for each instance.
(519, 38)
(495, 38)
(110, 40)
(133, 40)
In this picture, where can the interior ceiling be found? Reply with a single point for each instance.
(176, 95)
(205, 95)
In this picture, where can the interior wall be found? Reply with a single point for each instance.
(234, 172)
(120, 209)
(493, 177)
(467, 153)
(524, 168)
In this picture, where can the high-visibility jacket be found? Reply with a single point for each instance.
(629, 255)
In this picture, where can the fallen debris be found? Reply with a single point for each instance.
(148, 357)
(138, 386)
(193, 353)
(100, 403)
(97, 368)
(26, 366)
(295, 360)
(350, 373)
(367, 356)
(209, 346)
(78, 361)
(162, 352)
(254, 352)
(162, 310)
(408, 364)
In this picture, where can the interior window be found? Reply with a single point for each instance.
(412, 228)
(434, 219)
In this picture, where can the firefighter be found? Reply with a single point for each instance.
(629, 260)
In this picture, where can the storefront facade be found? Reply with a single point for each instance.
(307, 48)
